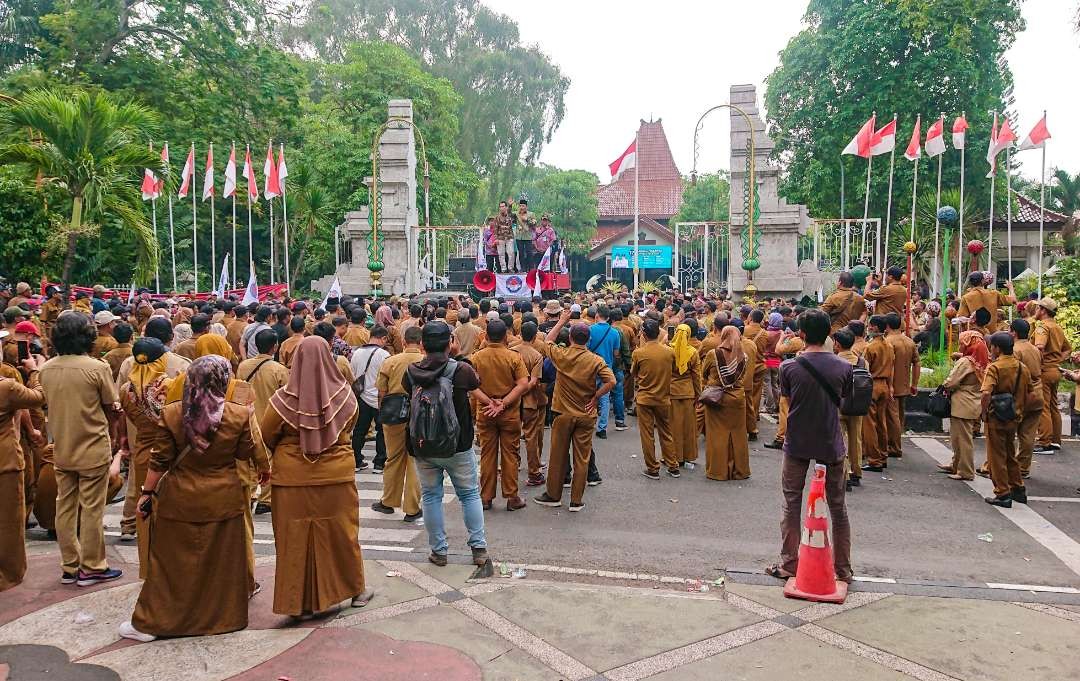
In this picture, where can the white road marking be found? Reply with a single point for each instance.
(1034, 587)
(1037, 527)
(1066, 500)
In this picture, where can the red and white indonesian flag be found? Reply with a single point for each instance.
(230, 175)
(251, 293)
(249, 176)
(149, 185)
(1036, 139)
(1004, 139)
(863, 142)
(884, 139)
(625, 162)
(165, 164)
(208, 178)
(914, 150)
(991, 154)
(959, 132)
(333, 292)
(282, 169)
(935, 138)
(273, 183)
(187, 174)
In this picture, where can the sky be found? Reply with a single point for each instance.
(674, 59)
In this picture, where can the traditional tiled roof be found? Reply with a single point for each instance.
(627, 231)
(1027, 211)
(660, 188)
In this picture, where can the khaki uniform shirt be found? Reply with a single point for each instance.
(578, 371)
(187, 349)
(174, 366)
(890, 298)
(652, 366)
(879, 355)
(1030, 357)
(234, 329)
(77, 388)
(980, 296)
(843, 305)
(534, 365)
(1001, 378)
(905, 358)
(345, 368)
(285, 352)
(50, 311)
(1051, 341)
(357, 335)
(963, 386)
(499, 369)
(686, 385)
(115, 357)
(393, 370)
(467, 337)
(265, 375)
(14, 396)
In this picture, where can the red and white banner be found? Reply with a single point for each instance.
(884, 139)
(935, 138)
(282, 169)
(863, 141)
(149, 185)
(277, 291)
(625, 162)
(959, 132)
(273, 183)
(1036, 139)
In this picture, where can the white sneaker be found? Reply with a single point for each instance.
(128, 631)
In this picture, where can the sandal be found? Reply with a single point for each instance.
(363, 599)
(776, 571)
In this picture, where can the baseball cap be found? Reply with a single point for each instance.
(1049, 304)
(104, 317)
(436, 331)
(575, 308)
(14, 312)
(27, 327)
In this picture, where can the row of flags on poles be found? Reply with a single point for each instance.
(274, 174)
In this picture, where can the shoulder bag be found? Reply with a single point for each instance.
(1003, 405)
(713, 395)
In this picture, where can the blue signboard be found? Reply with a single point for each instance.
(651, 257)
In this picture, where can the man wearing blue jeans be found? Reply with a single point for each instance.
(605, 341)
(460, 466)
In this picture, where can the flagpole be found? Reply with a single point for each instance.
(993, 184)
(233, 157)
(157, 246)
(1008, 218)
(884, 258)
(172, 244)
(247, 181)
(194, 229)
(866, 201)
(960, 227)
(637, 175)
(213, 244)
(285, 221)
(1042, 213)
(937, 219)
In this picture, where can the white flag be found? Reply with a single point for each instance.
(545, 261)
(223, 280)
(481, 261)
(131, 295)
(333, 292)
(251, 293)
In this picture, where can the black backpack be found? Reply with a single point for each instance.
(860, 392)
(433, 422)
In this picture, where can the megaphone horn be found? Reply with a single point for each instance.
(484, 281)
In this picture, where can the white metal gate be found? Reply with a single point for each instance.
(700, 258)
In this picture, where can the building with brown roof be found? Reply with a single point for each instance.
(1025, 236)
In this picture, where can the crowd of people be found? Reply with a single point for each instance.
(216, 411)
(513, 240)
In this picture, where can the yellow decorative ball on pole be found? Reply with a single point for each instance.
(910, 247)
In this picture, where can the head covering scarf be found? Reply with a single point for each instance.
(384, 316)
(732, 356)
(181, 333)
(213, 344)
(317, 401)
(183, 316)
(973, 346)
(683, 350)
(149, 368)
(776, 321)
(218, 329)
(203, 403)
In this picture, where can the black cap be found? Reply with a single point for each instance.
(436, 332)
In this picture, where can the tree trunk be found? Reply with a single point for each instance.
(73, 238)
(300, 258)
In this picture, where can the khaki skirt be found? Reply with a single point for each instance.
(12, 530)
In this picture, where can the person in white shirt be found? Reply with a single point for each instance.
(366, 362)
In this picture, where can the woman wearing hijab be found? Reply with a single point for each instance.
(727, 451)
(685, 388)
(198, 544)
(14, 397)
(385, 317)
(772, 362)
(316, 518)
(964, 385)
(213, 344)
(181, 333)
(142, 399)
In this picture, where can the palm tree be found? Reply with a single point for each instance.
(925, 212)
(1067, 192)
(308, 201)
(95, 150)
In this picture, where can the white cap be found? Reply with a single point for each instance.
(575, 308)
(104, 317)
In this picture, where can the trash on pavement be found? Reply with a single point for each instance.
(674, 501)
(518, 573)
(393, 573)
(988, 538)
(83, 617)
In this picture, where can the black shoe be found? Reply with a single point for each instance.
(1019, 495)
(1004, 501)
(674, 472)
(752, 437)
(31, 524)
(361, 466)
(413, 517)
(855, 480)
(650, 475)
(602, 434)
(261, 508)
(1055, 446)
(480, 556)
(437, 559)
(382, 508)
(574, 508)
(1047, 450)
(486, 505)
(545, 500)
(872, 468)
(376, 471)
(847, 486)
(566, 483)
(775, 444)
(593, 482)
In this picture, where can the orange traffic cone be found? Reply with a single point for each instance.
(815, 579)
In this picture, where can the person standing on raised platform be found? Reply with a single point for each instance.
(524, 226)
(504, 238)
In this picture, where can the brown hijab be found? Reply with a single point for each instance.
(317, 401)
(732, 357)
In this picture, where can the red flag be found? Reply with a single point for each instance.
(935, 138)
(230, 175)
(1037, 137)
(914, 151)
(282, 169)
(164, 162)
(625, 162)
(959, 130)
(149, 185)
(1005, 137)
(249, 176)
(208, 178)
(273, 183)
(884, 139)
(188, 173)
(863, 141)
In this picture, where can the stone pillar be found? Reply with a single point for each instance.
(779, 223)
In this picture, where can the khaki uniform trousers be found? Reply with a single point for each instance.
(499, 441)
(567, 430)
(895, 426)
(781, 418)
(874, 428)
(80, 508)
(1025, 436)
(851, 427)
(532, 430)
(961, 434)
(1003, 459)
(753, 402)
(1050, 423)
(401, 487)
(654, 420)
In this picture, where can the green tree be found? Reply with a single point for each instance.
(705, 200)
(24, 229)
(512, 95)
(570, 197)
(311, 214)
(903, 56)
(92, 148)
(1066, 196)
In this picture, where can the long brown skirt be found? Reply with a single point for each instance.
(198, 579)
(12, 530)
(684, 430)
(316, 536)
(727, 452)
(45, 501)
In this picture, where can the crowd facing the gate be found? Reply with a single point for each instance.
(213, 412)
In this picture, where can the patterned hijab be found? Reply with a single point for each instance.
(204, 399)
(147, 373)
(683, 350)
(317, 401)
(384, 316)
(973, 346)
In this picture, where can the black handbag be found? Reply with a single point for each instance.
(394, 409)
(939, 403)
(1003, 405)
